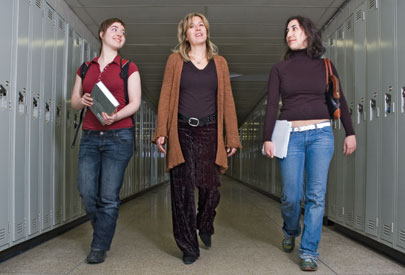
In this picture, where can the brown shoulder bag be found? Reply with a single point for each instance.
(332, 92)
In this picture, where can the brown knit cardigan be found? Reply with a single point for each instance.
(168, 112)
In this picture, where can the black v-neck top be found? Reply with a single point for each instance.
(198, 90)
(300, 81)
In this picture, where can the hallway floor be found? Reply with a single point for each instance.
(247, 241)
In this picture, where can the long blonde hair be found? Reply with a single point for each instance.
(183, 48)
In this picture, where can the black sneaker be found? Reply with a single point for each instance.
(309, 265)
(96, 256)
(189, 259)
(206, 239)
(288, 244)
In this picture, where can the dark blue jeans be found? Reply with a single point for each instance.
(103, 158)
(309, 153)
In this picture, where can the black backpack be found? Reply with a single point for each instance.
(124, 75)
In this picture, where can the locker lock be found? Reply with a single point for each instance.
(3, 91)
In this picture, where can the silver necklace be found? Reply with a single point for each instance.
(198, 61)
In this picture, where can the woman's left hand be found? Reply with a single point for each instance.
(109, 119)
(349, 145)
(230, 151)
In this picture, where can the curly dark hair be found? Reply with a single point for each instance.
(315, 49)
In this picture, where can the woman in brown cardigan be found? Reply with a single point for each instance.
(196, 107)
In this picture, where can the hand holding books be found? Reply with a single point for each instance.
(279, 145)
(87, 100)
(109, 119)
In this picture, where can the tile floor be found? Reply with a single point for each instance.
(247, 241)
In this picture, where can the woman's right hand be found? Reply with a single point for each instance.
(87, 100)
(269, 149)
(159, 142)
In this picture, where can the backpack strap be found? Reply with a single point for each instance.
(83, 71)
(124, 76)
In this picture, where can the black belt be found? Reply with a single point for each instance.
(194, 122)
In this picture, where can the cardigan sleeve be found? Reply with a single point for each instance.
(230, 119)
(164, 100)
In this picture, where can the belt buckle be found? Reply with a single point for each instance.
(196, 120)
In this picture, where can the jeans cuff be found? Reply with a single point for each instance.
(304, 255)
(286, 235)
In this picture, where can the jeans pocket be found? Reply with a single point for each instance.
(125, 136)
(326, 130)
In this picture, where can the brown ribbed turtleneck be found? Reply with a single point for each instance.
(300, 81)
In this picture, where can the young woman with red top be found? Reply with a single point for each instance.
(196, 107)
(105, 150)
(300, 81)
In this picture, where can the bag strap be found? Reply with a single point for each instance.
(325, 61)
(83, 71)
(328, 68)
(124, 76)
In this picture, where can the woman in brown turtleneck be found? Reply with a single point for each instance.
(300, 81)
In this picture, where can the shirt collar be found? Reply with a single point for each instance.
(116, 59)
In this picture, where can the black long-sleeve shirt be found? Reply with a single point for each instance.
(301, 82)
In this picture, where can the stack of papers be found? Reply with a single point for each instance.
(281, 137)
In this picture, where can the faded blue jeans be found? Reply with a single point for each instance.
(103, 158)
(310, 152)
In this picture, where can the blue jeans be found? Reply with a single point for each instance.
(310, 152)
(103, 158)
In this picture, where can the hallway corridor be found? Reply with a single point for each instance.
(247, 241)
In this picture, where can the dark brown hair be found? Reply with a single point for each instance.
(315, 49)
(105, 25)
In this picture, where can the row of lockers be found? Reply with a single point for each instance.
(365, 42)
(40, 55)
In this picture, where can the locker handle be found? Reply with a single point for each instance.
(58, 111)
(34, 102)
(360, 108)
(373, 103)
(3, 91)
(75, 124)
(387, 103)
(20, 97)
(403, 98)
(47, 107)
